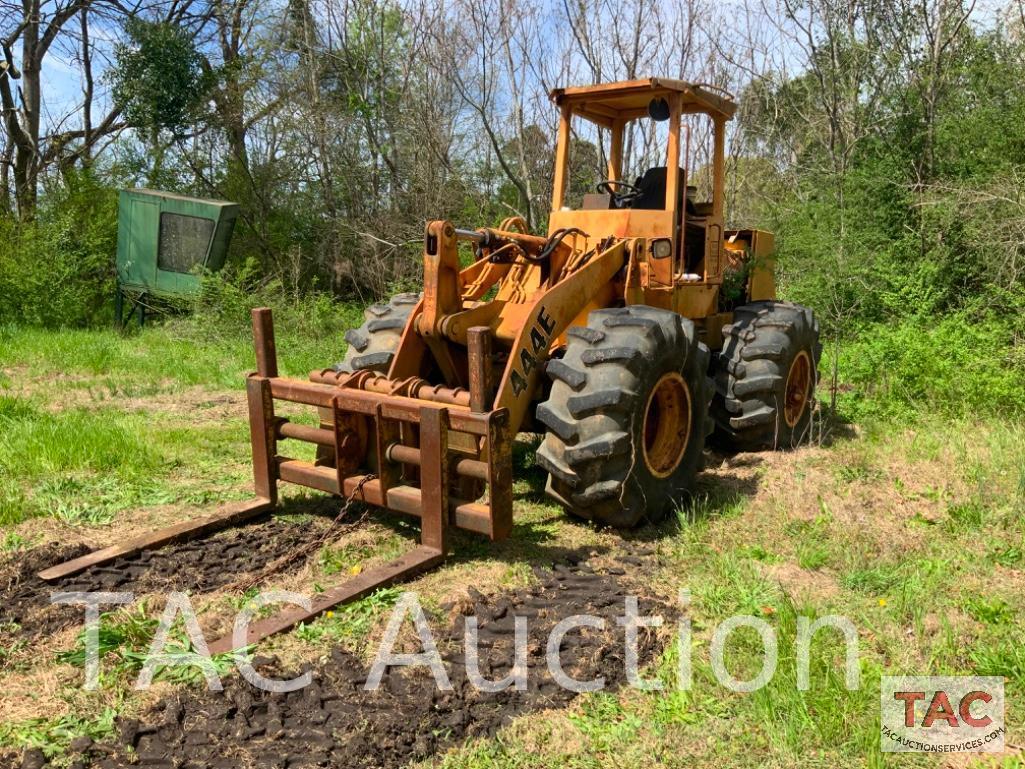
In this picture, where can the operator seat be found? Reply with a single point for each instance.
(652, 184)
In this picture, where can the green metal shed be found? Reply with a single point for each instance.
(164, 242)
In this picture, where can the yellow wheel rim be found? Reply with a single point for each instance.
(667, 425)
(798, 389)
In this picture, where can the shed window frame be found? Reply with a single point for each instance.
(167, 265)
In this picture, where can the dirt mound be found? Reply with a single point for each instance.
(334, 722)
(198, 566)
(23, 566)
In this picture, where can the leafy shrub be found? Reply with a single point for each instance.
(59, 269)
(227, 299)
(958, 365)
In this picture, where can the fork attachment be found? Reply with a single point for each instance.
(418, 441)
(404, 446)
(408, 447)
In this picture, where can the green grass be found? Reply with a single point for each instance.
(349, 558)
(351, 622)
(1003, 657)
(912, 533)
(874, 580)
(74, 453)
(54, 735)
(966, 516)
(813, 555)
(914, 592)
(80, 465)
(606, 724)
(958, 365)
(125, 638)
(84, 465)
(759, 553)
(121, 635)
(41, 444)
(992, 611)
(1008, 555)
(179, 355)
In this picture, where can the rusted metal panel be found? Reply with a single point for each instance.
(359, 401)
(479, 351)
(348, 456)
(306, 474)
(411, 387)
(434, 477)
(415, 562)
(317, 435)
(463, 514)
(499, 478)
(409, 455)
(294, 391)
(262, 435)
(468, 516)
(387, 434)
(228, 515)
(263, 341)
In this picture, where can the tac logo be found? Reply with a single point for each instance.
(942, 714)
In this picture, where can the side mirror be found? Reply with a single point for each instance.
(658, 110)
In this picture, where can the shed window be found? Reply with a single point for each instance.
(184, 242)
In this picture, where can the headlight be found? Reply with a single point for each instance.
(662, 248)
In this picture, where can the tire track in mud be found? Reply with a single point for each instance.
(198, 566)
(334, 722)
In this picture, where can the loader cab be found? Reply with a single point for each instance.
(675, 204)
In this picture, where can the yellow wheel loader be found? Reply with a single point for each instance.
(611, 334)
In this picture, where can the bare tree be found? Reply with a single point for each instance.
(36, 27)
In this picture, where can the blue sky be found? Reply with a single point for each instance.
(62, 75)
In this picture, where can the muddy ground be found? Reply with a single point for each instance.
(335, 722)
(197, 567)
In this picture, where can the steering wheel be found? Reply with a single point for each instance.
(623, 196)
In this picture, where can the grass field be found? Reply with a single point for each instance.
(914, 532)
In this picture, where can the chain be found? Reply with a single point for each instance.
(344, 511)
(306, 548)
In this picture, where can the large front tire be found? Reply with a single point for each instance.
(765, 377)
(372, 346)
(627, 416)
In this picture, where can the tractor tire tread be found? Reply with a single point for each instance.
(559, 369)
(581, 406)
(750, 374)
(586, 334)
(357, 338)
(372, 346)
(594, 414)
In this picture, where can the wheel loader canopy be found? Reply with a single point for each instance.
(659, 202)
(164, 240)
(628, 100)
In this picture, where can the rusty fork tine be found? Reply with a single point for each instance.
(415, 562)
(229, 515)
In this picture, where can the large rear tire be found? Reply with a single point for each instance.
(765, 377)
(627, 416)
(372, 346)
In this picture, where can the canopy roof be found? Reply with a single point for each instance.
(629, 99)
